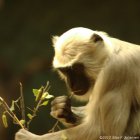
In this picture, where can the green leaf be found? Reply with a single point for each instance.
(12, 108)
(49, 96)
(4, 120)
(22, 122)
(45, 94)
(44, 103)
(36, 92)
(29, 116)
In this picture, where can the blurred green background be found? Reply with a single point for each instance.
(26, 52)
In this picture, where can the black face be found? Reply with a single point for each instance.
(77, 80)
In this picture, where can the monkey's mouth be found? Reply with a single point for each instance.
(79, 88)
(79, 92)
(79, 85)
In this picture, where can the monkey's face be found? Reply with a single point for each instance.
(74, 54)
(76, 78)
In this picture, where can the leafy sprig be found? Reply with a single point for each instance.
(42, 98)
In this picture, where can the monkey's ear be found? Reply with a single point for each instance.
(96, 38)
(54, 39)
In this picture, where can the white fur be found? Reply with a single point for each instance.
(66, 44)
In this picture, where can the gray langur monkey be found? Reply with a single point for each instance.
(104, 71)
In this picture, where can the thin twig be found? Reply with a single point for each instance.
(47, 87)
(54, 127)
(11, 114)
(70, 96)
(34, 113)
(30, 109)
(22, 104)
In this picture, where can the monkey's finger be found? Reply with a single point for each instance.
(59, 106)
(64, 106)
(60, 99)
(57, 113)
(60, 113)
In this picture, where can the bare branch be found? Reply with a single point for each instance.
(22, 104)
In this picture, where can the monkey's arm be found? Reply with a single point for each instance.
(61, 110)
(110, 109)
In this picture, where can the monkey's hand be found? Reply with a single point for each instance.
(61, 110)
(23, 134)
